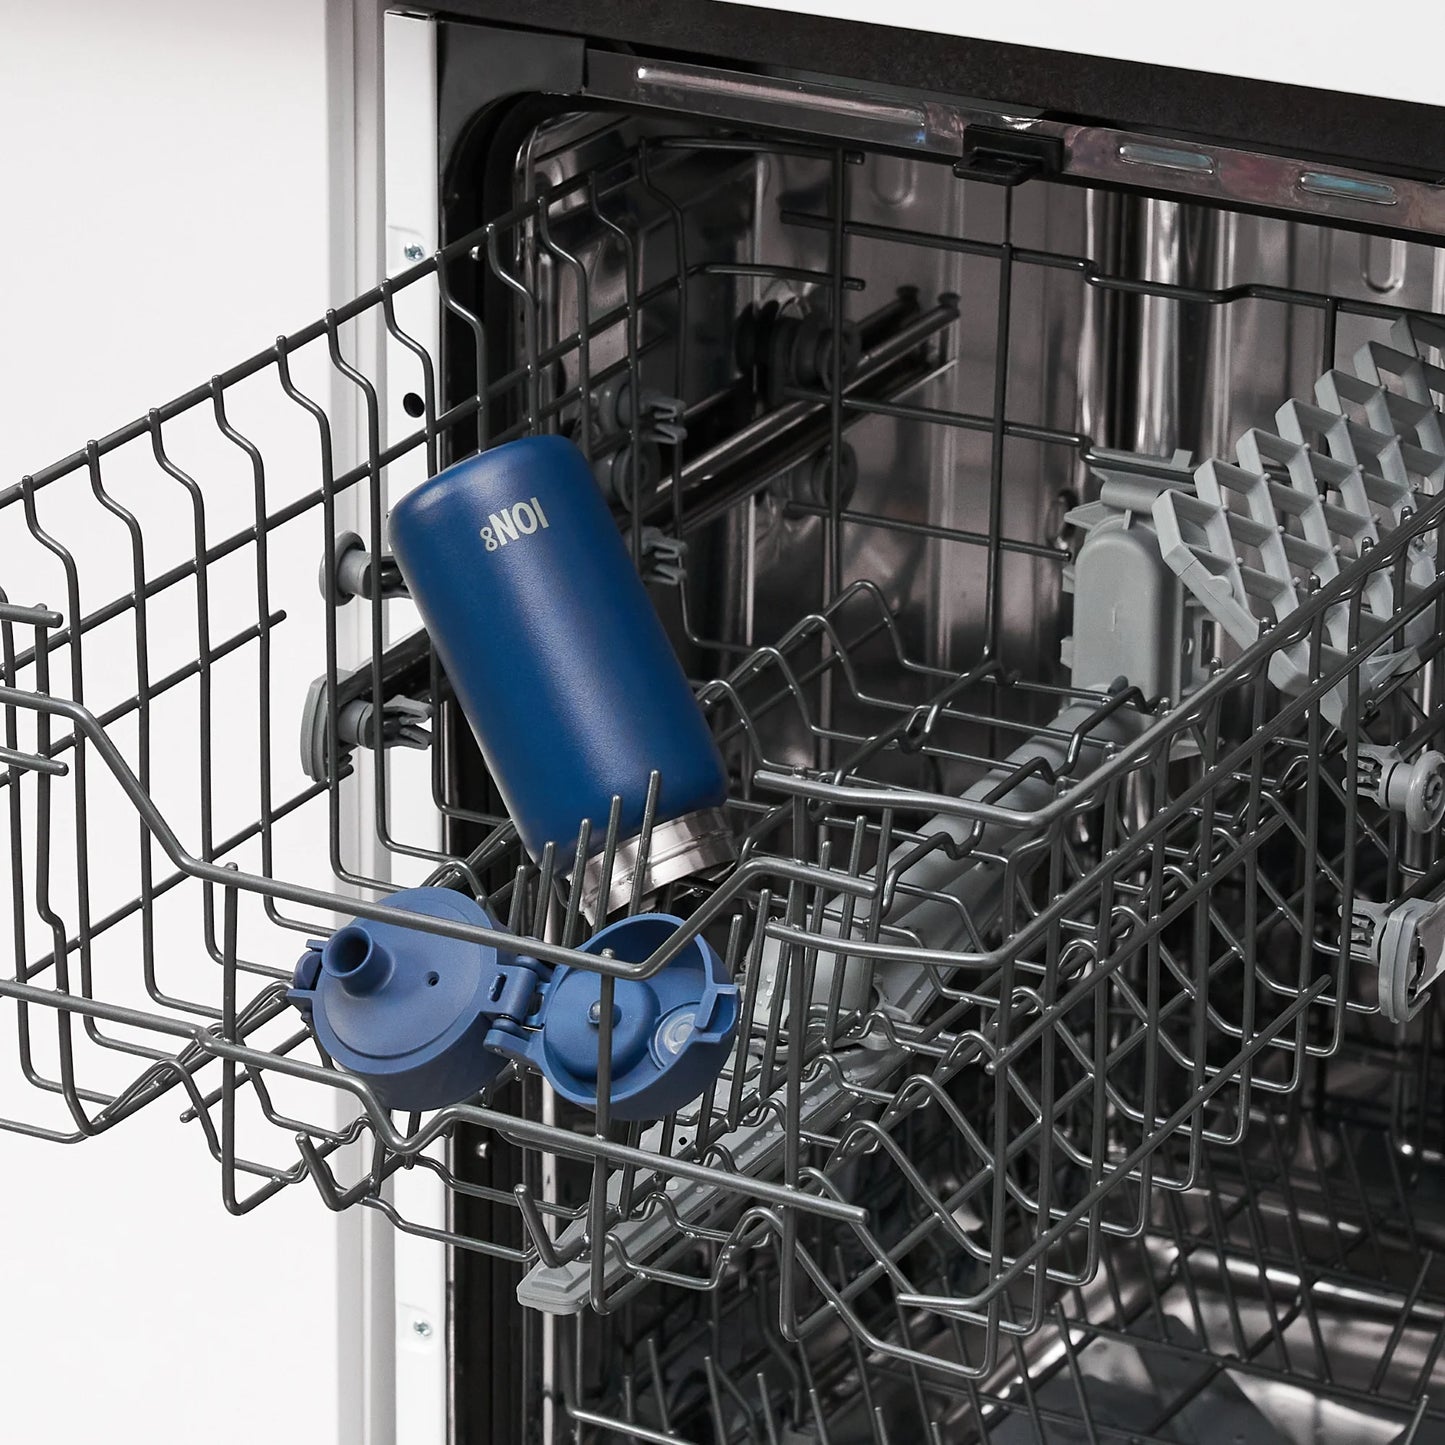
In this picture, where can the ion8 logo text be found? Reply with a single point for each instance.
(521, 519)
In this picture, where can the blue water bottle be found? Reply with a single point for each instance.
(560, 663)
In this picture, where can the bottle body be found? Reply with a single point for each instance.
(554, 650)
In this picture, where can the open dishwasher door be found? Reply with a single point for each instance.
(1055, 567)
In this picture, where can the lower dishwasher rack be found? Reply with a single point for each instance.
(1099, 944)
(1297, 1298)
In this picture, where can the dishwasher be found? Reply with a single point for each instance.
(1045, 512)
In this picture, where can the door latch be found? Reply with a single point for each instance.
(1007, 157)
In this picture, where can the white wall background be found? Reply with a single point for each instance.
(163, 183)
(1387, 52)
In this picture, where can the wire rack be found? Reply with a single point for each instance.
(1297, 1296)
(1090, 934)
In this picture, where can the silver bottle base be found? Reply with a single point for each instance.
(679, 848)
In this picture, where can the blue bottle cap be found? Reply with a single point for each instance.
(671, 1033)
(409, 1011)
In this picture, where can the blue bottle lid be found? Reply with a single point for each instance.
(671, 1033)
(429, 1021)
(409, 1011)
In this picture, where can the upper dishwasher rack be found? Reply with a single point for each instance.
(1089, 931)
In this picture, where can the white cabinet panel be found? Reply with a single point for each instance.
(164, 169)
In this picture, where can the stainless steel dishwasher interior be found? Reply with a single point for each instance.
(1092, 368)
(1274, 1301)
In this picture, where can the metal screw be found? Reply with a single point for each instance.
(414, 251)
(422, 1328)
